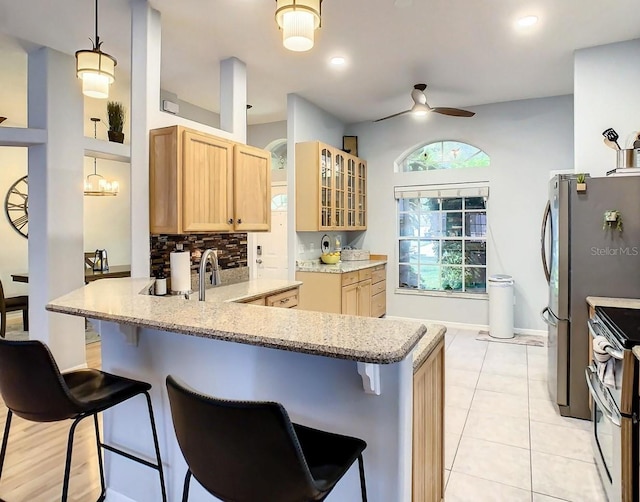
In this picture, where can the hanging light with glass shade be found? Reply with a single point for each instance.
(96, 184)
(95, 68)
(298, 20)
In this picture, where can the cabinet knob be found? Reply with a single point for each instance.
(230, 221)
(239, 221)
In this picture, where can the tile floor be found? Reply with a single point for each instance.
(504, 438)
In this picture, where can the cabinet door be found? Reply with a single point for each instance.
(362, 195)
(350, 299)
(165, 182)
(339, 192)
(364, 298)
(350, 181)
(326, 189)
(251, 189)
(207, 182)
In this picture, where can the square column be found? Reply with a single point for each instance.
(56, 251)
(233, 98)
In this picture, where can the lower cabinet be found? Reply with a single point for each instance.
(286, 299)
(428, 428)
(362, 292)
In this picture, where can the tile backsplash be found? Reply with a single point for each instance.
(232, 250)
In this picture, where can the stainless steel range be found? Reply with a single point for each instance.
(612, 381)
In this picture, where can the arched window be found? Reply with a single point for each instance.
(278, 149)
(444, 155)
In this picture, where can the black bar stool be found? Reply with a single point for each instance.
(33, 388)
(245, 451)
(13, 304)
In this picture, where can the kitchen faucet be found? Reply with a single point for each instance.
(212, 256)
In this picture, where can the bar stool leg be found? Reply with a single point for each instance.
(5, 439)
(67, 465)
(185, 490)
(157, 446)
(103, 491)
(363, 486)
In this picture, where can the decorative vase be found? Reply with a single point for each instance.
(581, 187)
(116, 137)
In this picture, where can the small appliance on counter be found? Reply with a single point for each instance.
(100, 261)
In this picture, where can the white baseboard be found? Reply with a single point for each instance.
(469, 326)
(113, 496)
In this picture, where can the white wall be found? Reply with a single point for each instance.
(260, 135)
(605, 95)
(107, 220)
(14, 250)
(307, 122)
(525, 140)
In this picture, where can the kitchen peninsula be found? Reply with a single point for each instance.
(347, 374)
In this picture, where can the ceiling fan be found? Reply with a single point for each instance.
(421, 107)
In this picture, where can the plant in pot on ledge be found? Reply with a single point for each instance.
(115, 114)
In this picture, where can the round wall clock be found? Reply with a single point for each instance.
(16, 205)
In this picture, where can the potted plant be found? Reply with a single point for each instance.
(115, 114)
(581, 185)
(612, 217)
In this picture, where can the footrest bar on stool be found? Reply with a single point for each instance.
(130, 457)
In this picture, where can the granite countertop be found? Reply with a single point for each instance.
(435, 333)
(623, 303)
(339, 268)
(246, 290)
(364, 339)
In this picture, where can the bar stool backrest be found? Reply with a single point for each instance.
(31, 384)
(240, 450)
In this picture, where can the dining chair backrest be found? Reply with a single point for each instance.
(240, 450)
(31, 384)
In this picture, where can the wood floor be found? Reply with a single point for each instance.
(34, 465)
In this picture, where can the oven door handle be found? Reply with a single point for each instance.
(590, 373)
(616, 354)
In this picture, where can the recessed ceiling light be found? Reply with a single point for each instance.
(337, 61)
(526, 21)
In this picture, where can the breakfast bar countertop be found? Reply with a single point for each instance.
(342, 267)
(363, 339)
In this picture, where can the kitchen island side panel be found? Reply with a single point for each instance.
(317, 391)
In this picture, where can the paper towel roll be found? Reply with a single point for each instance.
(180, 271)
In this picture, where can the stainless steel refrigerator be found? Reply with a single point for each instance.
(585, 256)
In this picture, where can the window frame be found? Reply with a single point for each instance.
(400, 164)
(459, 190)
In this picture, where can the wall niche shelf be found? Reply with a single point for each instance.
(107, 150)
(22, 136)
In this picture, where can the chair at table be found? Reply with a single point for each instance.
(33, 388)
(245, 451)
(13, 304)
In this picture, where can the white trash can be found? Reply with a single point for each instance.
(501, 306)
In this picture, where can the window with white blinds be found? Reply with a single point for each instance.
(442, 244)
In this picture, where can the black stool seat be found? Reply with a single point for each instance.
(246, 451)
(96, 390)
(33, 388)
(16, 302)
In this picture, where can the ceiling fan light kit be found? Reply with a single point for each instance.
(298, 20)
(95, 68)
(421, 107)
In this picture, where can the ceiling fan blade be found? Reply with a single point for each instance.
(2, 119)
(453, 112)
(394, 115)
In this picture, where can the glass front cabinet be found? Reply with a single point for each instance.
(331, 189)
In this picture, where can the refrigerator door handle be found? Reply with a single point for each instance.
(543, 238)
(548, 319)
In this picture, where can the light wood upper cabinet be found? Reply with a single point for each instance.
(331, 189)
(207, 183)
(201, 183)
(252, 188)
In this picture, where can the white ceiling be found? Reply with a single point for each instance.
(467, 51)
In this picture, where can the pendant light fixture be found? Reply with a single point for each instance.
(95, 184)
(95, 68)
(298, 20)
